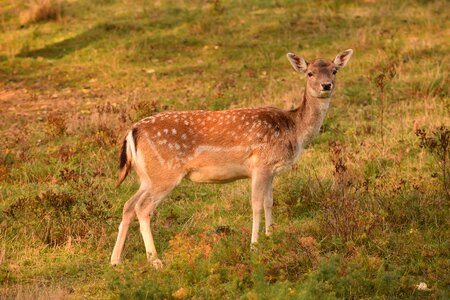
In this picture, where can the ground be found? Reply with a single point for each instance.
(363, 214)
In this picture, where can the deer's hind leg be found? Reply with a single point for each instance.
(127, 218)
(145, 208)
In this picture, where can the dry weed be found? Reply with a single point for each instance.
(56, 124)
(42, 10)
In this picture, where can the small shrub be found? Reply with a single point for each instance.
(56, 124)
(65, 152)
(143, 109)
(67, 174)
(6, 161)
(347, 212)
(438, 145)
(42, 10)
(105, 136)
(56, 217)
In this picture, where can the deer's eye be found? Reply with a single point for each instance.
(310, 74)
(334, 72)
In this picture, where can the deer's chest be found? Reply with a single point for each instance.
(293, 151)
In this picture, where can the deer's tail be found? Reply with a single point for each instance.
(127, 155)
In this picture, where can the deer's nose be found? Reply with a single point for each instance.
(327, 86)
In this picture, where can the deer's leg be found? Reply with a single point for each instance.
(268, 203)
(144, 209)
(127, 217)
(261, 184)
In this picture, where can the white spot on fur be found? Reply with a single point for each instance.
(174, 131)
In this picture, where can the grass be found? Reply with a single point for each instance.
(41, 10)
(364, 213)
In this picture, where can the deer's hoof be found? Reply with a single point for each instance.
(157, 264)
(270, 230)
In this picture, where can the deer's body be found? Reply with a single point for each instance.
(219, 147)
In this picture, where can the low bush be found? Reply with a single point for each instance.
(42, 10)
(56, 217)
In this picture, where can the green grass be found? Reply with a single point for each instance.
(70, 89)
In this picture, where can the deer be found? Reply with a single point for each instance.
(222, 146)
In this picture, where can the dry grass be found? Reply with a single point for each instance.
(364, 214)
(37, 292)
(42, 10)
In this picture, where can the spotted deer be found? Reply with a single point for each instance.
(222, 146)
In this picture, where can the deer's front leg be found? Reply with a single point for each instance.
(268, 203)
(261, 186)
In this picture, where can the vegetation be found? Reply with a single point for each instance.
(364, 213)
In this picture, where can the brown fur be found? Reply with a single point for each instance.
(222, 146)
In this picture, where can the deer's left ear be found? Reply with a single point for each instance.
(342, 58)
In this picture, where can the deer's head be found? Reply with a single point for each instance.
(320, 73)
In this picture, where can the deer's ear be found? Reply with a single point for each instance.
(342, 58)
(298, 63)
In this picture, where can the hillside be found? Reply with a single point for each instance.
(365, 213)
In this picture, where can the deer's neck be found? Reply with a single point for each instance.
(309, 117)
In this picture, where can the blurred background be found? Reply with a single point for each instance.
(364, 214)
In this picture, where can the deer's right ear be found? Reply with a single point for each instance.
(298, 63)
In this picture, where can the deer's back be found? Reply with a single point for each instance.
(234, 141)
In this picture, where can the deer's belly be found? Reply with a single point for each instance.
(218, 174)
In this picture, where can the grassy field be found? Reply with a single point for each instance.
(364, 214)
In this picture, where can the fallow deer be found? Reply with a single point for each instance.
(222, 146)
